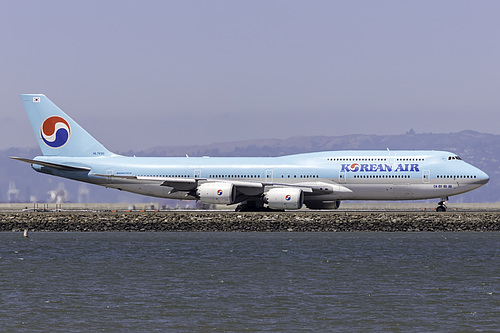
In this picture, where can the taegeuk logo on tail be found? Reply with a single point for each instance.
(55, 131)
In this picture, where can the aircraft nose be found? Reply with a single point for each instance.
(482, 177)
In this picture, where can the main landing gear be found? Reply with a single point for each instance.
(253, 206)
(442, 205)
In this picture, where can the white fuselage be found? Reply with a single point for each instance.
(335, 175)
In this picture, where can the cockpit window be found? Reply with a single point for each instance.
(456, 157)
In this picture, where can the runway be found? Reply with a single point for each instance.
(372, 206)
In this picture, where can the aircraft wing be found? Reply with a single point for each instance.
(178, 184)
(314, 188)
(250, 188)
(190, 184)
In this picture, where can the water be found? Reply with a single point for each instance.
(232, 282)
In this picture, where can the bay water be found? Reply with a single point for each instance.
(239, 282)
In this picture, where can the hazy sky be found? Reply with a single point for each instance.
(139, 74)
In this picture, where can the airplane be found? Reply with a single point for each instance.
(319, 180)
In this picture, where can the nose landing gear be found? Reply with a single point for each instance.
(442, 205)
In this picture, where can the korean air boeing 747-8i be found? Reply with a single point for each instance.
(317, 180)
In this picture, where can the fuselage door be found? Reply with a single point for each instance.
(391, 160)
(342, 177)
(269, 174)
(197, 174)
(426, 176)
(109, 179)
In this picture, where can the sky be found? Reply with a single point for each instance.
(141, 74)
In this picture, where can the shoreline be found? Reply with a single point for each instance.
(217, 221)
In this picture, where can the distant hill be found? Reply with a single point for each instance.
(480, 149)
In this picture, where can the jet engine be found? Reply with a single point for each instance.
(284, 198)
(216, 193)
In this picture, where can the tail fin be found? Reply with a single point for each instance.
(56, 132)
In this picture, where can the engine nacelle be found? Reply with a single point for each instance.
(322, 204)
(284, 198)
(216, 193)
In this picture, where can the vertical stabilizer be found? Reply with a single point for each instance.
(56, 132)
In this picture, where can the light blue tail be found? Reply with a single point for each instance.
(56, 132)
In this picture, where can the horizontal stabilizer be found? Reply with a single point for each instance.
(51, 165)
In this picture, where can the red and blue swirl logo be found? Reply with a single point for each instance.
(354, 167)
(55, 131)
(219, 192)
(288, 197)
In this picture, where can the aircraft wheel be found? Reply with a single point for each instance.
(441, 209)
